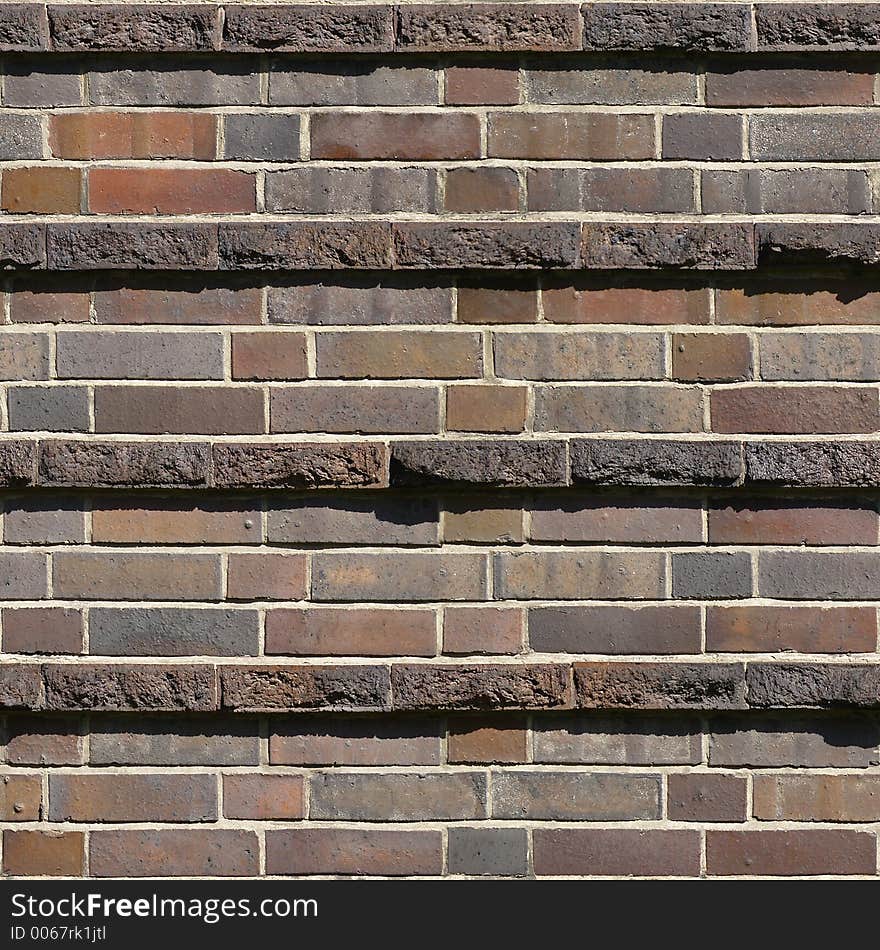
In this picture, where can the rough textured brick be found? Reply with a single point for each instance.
(172, 852)
(812, 684)
(804, 409)
(415, 136)
(482, 630)
(136, 576)
(534, 686)
(812, 463)
(122, 246)
(22, 28)
(303, 29)
(331, 190)
(629, 740)
(352, 851)
(798, 629)
(660, 685)
(170, 797)
(647, 26)
(41, 190)
(17, 463)
(618, 852)
(291, 465)
(355, 84)
(630, 462)
(804, 26)
(618, 409)
(701, 797)
(596, 136)
(266, 577)
(398, 410)
(795, 852)
(263, 797)
(488, 739)
(796, 575)
(98, 135)
(496, 851)
(349, 741)
(22, 246)
(96, 464)
(697, 246)
(43, 853)
(284, 246)
(127, 27)
(712, 576)
(480, 462)
(486, 408)
(304, 687)
(570, 575)
(20, 686)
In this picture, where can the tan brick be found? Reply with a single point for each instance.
(169, 522)
(263, 797)
(20, 797)
(486, 408)
(399, 354)
(491, 739)
(266, 577)
(43, 853)
(41, 190)
(468, 521)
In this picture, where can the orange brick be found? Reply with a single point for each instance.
(41, 190)
(86, 135)
(171, 191)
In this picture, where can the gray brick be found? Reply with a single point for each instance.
(823, 685)
(32, 84)
(23, 576)
(271, 138)
(23, 27)
(574, 796)
(685, 26)
(334, 190)
(355, 85)
(702, 135)
(804, 356)
(129, 27)
(802, 575)
(498, 851)
(153, 355)
(815, 136)
(618, 409)
(769, 191)
(175, 87)
(610, 86)
(156, 741)
(623, 740)
(24, 356)
(711, 575)
(43, 521)
(172, 631)
(48, 408)
(20, 137)
(328, 304)
(636, 190)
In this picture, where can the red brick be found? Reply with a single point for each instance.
(106, 797)
(653, 306)
(263, 797)
(475, 85)
(85, 135)
(791, 522)
(44, 741)
(482, 630)
(353, 851)
(768, 306)
(39, 306)
(43, 853)
(171, 191)
(801, 629)
(266, 577)
(173, 852)
(795, 410)
(781, 853)
(701, 797)
(377, 135)
(42, 630)
(280, 355)
(41, 190)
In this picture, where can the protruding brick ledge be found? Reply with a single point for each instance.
(499, 27)
(408, 687)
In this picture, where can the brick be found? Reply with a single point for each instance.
(783, 685)
(607, 629)
(659, 685)
(516, 245)
(263, 797)
(499, 686)
(717, 246)
(652, 305)
(469, 521)
(299, 245)
(803, 409)
(489, 739)
(481, 85)
(398, 577)
(481, 189)
(20, 137)
(334, 190)
(134, 688)
(825, 137)
(175, 522)
(621, 86)
(328, 304)
(22, 576)
(168, 409)
(175, 191)
(571, 575)
(712, 575)
(496, 851)
(172, 631)
(226, 84)
(42, 630)
(43, 741)
(818, 742)
(705, 357)
(355, 741)
(794, 852)
(396, 136)
(298, 465)
(43, 853)
(304, 687)
(355, 84)
(20, 686)
(126, 246)
(135, 576)
(700, 797)
(399, 354)
(199, 306)
(127, 27)
(766, 305)
(351, 632)
(41, 190)
(769, 522)
(377, 796)
(479, 462)
(22, 28)
(97, 135)
(482, 630)
(266, 577)
(615, 520)
(785, 191)
(24, 356)
(17, 463)
(803, 26)
(353, 851)
(811, 463)
(261, 356)
(807, 575)
(173, 852)
(96, 464)
(22, 246)
(789, 87)
(483, 26)
(160, 741)
(20, 797)
(402, 410)
(33, 83)
(635, 190)
(618, 852)
(261, 138)
(618, 409)
(486, 408)
(683, 26)
(170, 797)
(46, 306)
(799, 629)
(806, 356)
(629, 740)
(497, 305)
(48, 408)
(574, 796)
(593, 136)
(702, 135)
(301, 29)
(815, 797)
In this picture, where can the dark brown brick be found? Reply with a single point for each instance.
(297, 465)
(95, 464)
(173, 852)
(484, 630)
(789, 87)
(822, 685)
(53, 740)
(303, 245)
(618, 852)
(20, 797)
(697, 796)
(481, 85)
(266, 576)
(800, 629)
(198, 306)
(579, 303)
(615, 520)
(353, 851)
(816, 798)
(303, 29)
(42, 630)
(791, 522)
(699, 246)
(304, 687)
(795, 852)
(801, 409)
(817, 26)
(480, 189)
(660, 685)
(654, 26)
(129, 27)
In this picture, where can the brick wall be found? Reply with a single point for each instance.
(440, 439)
